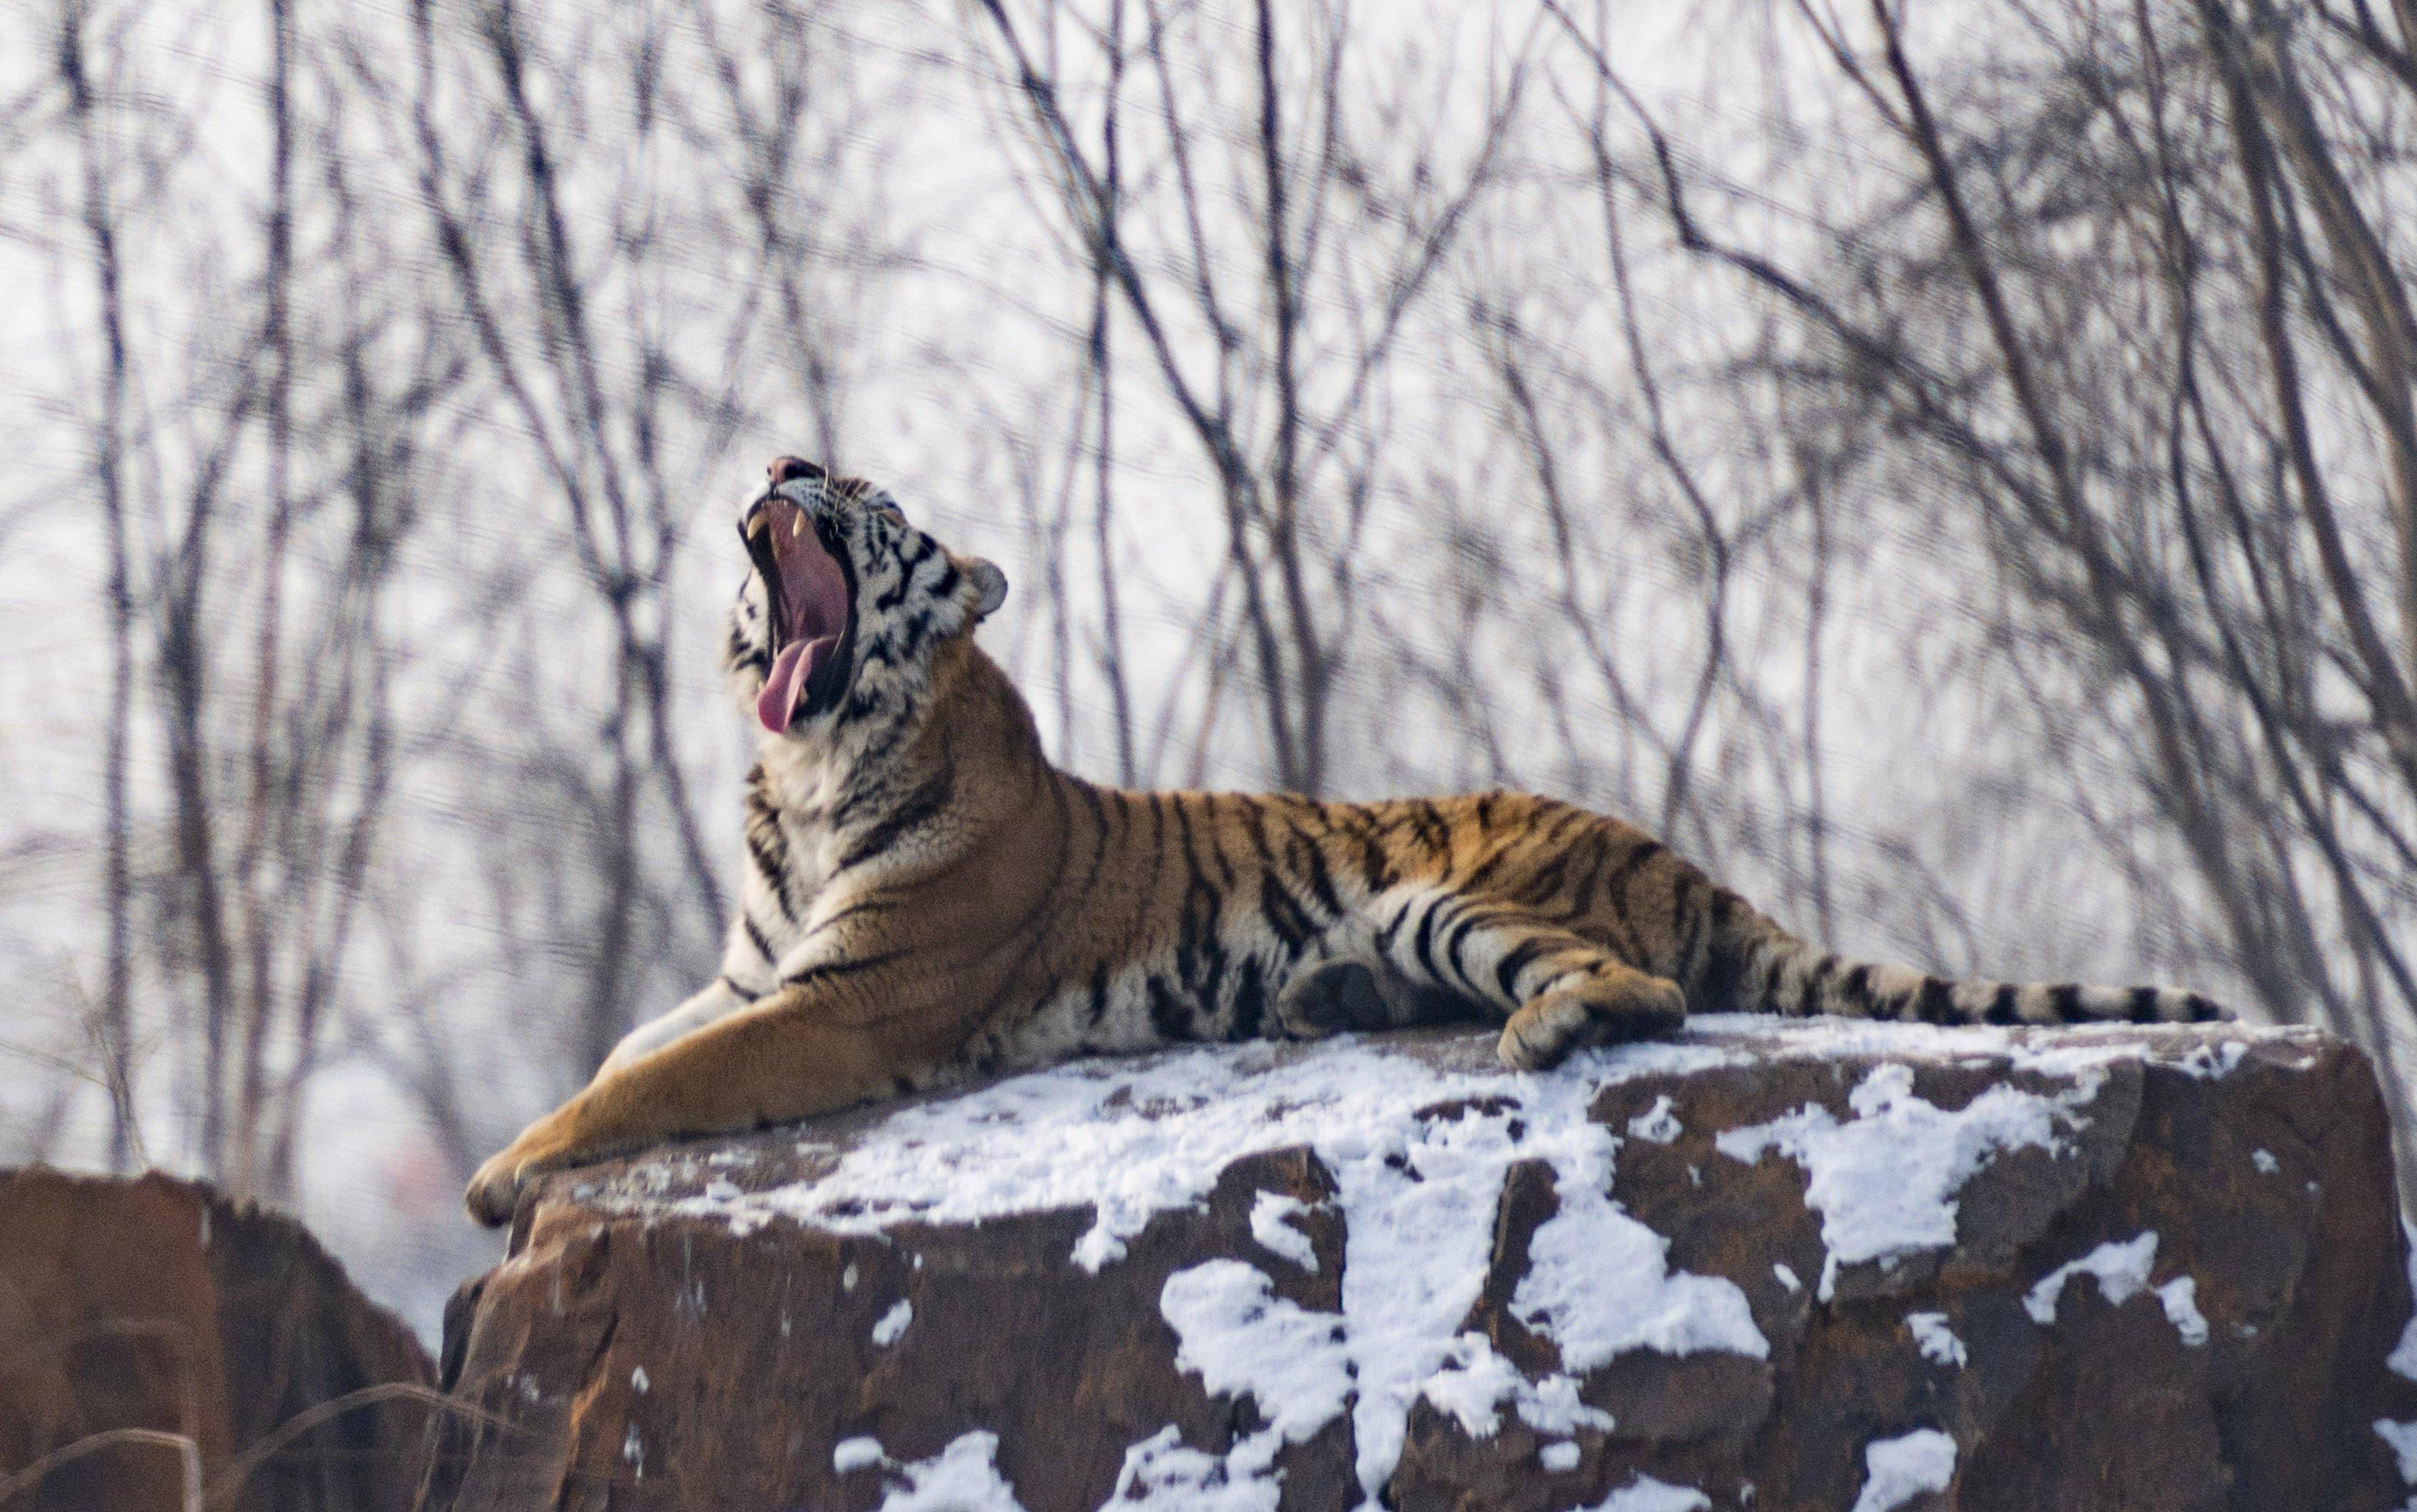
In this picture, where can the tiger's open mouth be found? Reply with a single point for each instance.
(812, 587)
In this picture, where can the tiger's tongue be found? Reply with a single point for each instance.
(791, 670)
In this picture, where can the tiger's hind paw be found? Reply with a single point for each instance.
(1551, 1024)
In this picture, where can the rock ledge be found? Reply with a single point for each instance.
(1777, 1265)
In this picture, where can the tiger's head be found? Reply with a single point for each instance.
(846, 605)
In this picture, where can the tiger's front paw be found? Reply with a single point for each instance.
(495, 1191)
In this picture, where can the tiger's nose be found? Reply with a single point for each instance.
(789, 469)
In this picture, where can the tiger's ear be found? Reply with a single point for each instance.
(990, 586)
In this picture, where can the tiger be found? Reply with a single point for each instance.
(928, 898)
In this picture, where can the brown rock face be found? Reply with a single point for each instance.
(1807, 1266)
(158, 1305)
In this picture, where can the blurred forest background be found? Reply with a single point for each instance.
(1950, 467)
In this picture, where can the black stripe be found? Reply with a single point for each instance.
(1598, 857)
(770, 855)
(1766, 987)
(1484, 869)
(1935, 1003)
(1167, 1014)
(2065, 1001)
(1376, 871)
(1283, 915)
(878, 903)
(757, 938)
(2142, 1004)
(1425, 817)
(1099, 993)
(1250, 1000)
(1423, 940)
(1090, 796)
(1513, 961)
(920, 807)
(830, 970)
(2202, 1010)
(2001, 1006)
(1629, 865)
(1545, 883)
(1312, 860)
(1452, 940)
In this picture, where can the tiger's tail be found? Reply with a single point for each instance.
(1780, 974)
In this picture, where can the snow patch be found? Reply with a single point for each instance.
(638, 1380)
(892, 1323)
(1895, 1471)
(1787, 1275)
(1937, 1341)
(2265, 1162)
(2122, 1269)
(1885, 1182)
(1646, 1494)
(1657, 1125)
(1559, 1457)
(1477, 1381)
(1242, 1339)
(2180, 1298)
(2403, 1439)
(1162, 1474)
(962, 1477)
(1135, 1136)
(1599, 1283)
(1271, 1213)
(859, 1453)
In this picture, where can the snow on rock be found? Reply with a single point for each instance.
(859, 1453)
(1599, 1283)
(1476, 1381)
(1162, 1474)
(1898, 1470)
(1646, 1494)
(1264, 1279)
(1270, 1225)
(2180, 1298)
(1132, 1138)
(962, 1477)
(1937, 1341)
(1885, 1181)
(892, 1323)
(2403, 1439)
(1240, 1339)
(1656, 1124)
(2122, 1269)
